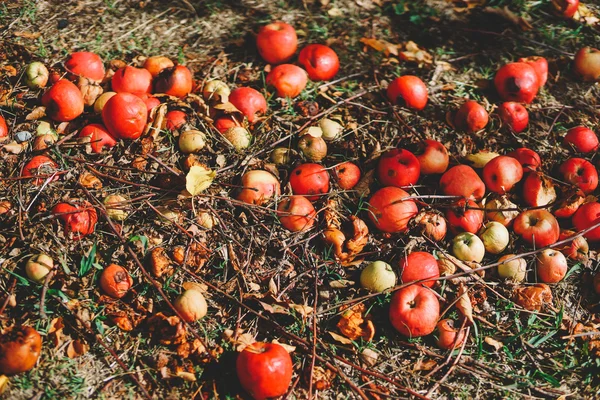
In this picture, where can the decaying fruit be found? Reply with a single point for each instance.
(20, 349)
(115, 281)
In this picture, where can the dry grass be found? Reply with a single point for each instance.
(252, 257)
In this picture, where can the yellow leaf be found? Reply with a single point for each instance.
(340, 338)
(381, 45)
(199, 179)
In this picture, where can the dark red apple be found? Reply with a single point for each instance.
(398, 167)
(462, 180)
(517, 82)
(514, 115)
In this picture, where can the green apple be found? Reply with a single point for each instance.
(378, 276)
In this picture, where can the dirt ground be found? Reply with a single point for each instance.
(262, 282)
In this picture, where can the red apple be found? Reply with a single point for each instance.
(133, 80)
(249, 101)
(125, 116)
(86, 64)
(224, 123)
(587, 216)
(80, 220)
(577, 249)
(63, 101)
(433, 157)
(150, 101)
(156, 64)
(538, 190)
(320, 62)
(296, 213)
(310, 180)
(277, 42)
(3, 128)
(463, 219)
(537, 227)
(408, 90)
(540, 65)
(514, 115)
(582, 139)
(471, 117)
(175, 81)
(581, 173)
(517, 82)
(587, 64)
(175, 119)
(432, 225)
(414, 311)
(529, 159)
(502, 173)
(347, 175)
(449, 337)
(288, 80)
(398, 167)
(419, 265)
(390, 211)
(99, 137)
(258, 187)
(462, 180)
(551, 266)
(264, 370)
(566, 8)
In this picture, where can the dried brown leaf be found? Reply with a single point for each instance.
(464, 303)
(533, 298)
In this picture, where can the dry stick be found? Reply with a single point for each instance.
(447, 374)
(43, 314)
(464, 273)
(9, 293)
(314, 336)
(143, 269)
(110, 350)
(304, 344)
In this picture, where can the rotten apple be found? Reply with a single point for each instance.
(587, 64)
(249, 102)
(398, 167)
(347, 175)
(462, 180)
(433, 157)
(517, 82)
(310, 180)
(133, 80)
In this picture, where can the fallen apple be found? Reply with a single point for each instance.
(377, 277)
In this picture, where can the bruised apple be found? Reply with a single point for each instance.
(514, 115)
(581, 173)
(433, 157)
(540, 65)
(551, 266)
(191, 305)
(132, 80)
(258, 187)
(513, 268)
(320, 62)
(517, 82)
(249, 101)
(99, 137)
(175, 81)
(115, 281)
(502, 173)
(288, 80)
(296, 213)
(587, 64)
(577, 249)
(529, 159)
(582, 139)
(464, 216)
(449, 337)
(155, 64)
(390, 209)
(587, 216)
(86, 64)
(398, 167)
(310, 180)
(347, 175)
(432, 225)
(471, 117)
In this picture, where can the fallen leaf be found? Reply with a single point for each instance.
(301, 309)
(36, 113)
(413, 53)
(381, 45)
(369, 356)
(287, 347)
(77, 348)
(481, 158)
(339, 338)
(341, 284)
(322, 378)
(494, 343)
(464, 303)
(186, 376)
(424, 365)
(533, 298)
(199, 179)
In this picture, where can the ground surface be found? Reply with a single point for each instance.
(281, 276)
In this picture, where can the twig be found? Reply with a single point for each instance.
(43, 314)
(9, 293)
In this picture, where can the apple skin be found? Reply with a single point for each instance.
(471, 117)
(433, 157)
(537, 227)
(288, 80)
(580, 172)
(277, 42)
(414, 311)
(529, 159)
(408, 90)
(463, 219)
(63, 101)
(398, 167)
(258, 187)
(540, 65)
(419, 265)
(378, 277)
(515, 270)
(572, 200)
(566, 8)
(132, 80)
(432, 225)
(587, 64)
(587, 216)
(320, 62)
(582, 139)
(538, 190)
(596, 283)
(249, 101)
(577, 249)
(462, 180)
(502, 173)
(347, 175)
(514, 115)
(468, 247)
(264, 370)
(313, 148)
(296, 213)
(310, 180)
(388, 212)
(517, 82)
(551, 266)
(495, 237)
(449, 337)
